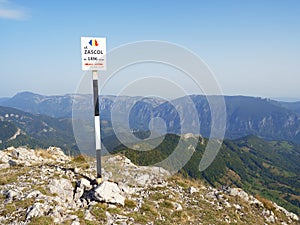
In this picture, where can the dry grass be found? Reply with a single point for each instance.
(130, 203)
(81, 161)
(44, 154)
(267, 203)
(45, 220)
(11, 175)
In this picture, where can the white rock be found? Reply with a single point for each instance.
(127, 161)
(240, 193)
(75, 222)
(226, 204)
(89, 216)
(238, 207)
(63, 188)
(109, 192)
(57, 214)
(109, 218)
(34, 194)
(125, 188)
(37, 210)
(192, 190)
(177, 206)
(4, 157)
(12, 194)
(293, 216)
(79, 192)
(211, 195)
(4, 166)
(85, 184)
(142, 180)
(254, 201)
(270, 219)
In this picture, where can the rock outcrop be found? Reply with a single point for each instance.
(46, 186)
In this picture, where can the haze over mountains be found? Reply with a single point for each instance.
(269, 119)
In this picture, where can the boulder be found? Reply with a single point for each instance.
(63, 188)
(240, 193)
(12, 195)
(84, 184)
(192, 190)
(142, 179)
(108, 192)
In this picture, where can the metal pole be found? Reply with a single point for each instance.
(97, 126)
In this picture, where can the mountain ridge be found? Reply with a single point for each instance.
(34, 130)
(272, 120)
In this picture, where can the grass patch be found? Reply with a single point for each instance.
(130, 203)
(12, 207)
(45, 220)
(10, 175)
(166, 204)
(114, 210)
(147, 213)
(43, 190)
(79, 159)
(148, 209)
(157, 196)
(180, 216)
(138, 218)
(82, 221)
(98, 211)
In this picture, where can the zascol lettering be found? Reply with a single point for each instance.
(87, 51)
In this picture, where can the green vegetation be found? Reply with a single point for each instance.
(81, 161)
(130, 203)
(10, 175)
(262, 168)
(7, 130)
(41, 131)
(45, 220)
(99, 211)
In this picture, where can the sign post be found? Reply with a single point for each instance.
(93, 53)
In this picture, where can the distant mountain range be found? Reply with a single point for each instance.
(54, 106)
(294, 106)
(267, 165)
(269, 119)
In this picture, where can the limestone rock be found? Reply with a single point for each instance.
(192, 190)
(63, 188)
(177, 206)
(109, 192)
(240, 193)
(37, 210)
(84, 184)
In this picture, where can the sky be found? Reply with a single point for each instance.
(252, 47)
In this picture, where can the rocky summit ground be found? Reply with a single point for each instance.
(48, 187)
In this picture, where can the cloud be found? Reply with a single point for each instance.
(11, 11)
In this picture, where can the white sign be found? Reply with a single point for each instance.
(93, 53)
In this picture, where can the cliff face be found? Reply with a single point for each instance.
(48, 187)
